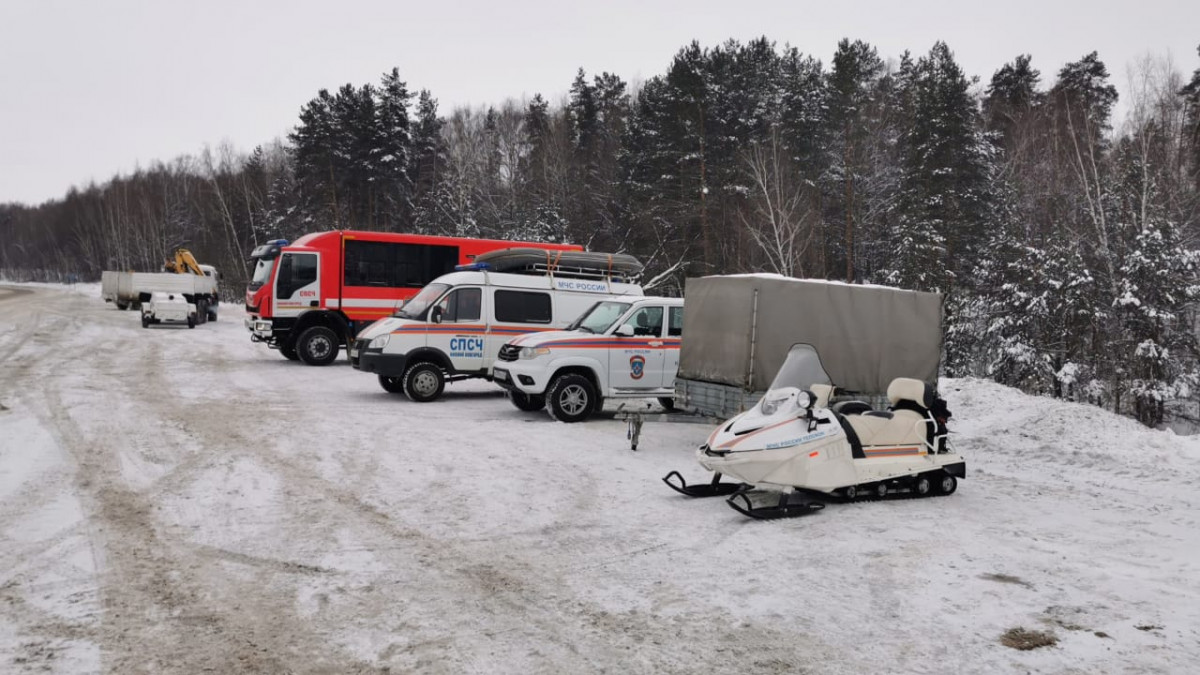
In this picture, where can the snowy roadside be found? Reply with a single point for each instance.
(174, 500)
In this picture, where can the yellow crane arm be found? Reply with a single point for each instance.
(183, 263)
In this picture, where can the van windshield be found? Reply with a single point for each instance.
(600, 317)
(416, 308)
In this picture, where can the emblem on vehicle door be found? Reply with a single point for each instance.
(637, 367)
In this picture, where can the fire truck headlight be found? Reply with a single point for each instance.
(381, 341)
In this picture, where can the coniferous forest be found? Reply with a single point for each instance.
(1064, 239)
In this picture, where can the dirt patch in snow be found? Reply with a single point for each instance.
(1025, 640)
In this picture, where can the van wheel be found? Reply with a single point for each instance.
(571, 398)
(424, 382)
(191, 322)
(317, 346)
(667, 403)
(289, 352)
(392, 385)
(527, 402)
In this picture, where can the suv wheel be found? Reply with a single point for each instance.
(317, 346)
(424, 382)
(572, 398)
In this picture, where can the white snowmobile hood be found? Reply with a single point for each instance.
(778, 422)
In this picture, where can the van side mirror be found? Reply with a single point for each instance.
(435, 314)
(625, 331)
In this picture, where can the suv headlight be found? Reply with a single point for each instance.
(533, 352)
(381, 341)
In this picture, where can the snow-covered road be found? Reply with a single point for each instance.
(177, 500)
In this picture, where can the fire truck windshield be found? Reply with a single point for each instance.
(262, 273)
(415, 308)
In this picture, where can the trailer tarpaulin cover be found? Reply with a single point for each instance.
(866, 335)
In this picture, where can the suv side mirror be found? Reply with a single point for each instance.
(435, 314)
(624, 331)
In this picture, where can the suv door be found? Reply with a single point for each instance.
(638, 362)
(460, 333)
(297, 284)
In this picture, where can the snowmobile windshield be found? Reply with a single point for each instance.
(262, 273)
(800, 370)
(600, 317)
(415, 308)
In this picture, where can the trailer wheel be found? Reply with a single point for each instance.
(424, 382)
(122, 306)
(289, 352)
(946, 484)
(527, 402)
(317, 346)
(922, 486)
(392, 385)
(571, 398)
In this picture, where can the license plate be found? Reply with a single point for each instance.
(501, 374)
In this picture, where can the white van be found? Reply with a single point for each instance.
(454, 328)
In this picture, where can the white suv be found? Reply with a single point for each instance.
(623, 348)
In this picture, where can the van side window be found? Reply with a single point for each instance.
(675, 327)
(462, 305)
(522, 307)
(647, 321)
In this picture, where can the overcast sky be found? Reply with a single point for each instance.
(93, 88)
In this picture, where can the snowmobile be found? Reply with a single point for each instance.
(793, 441)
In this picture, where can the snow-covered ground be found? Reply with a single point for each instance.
(177, 500)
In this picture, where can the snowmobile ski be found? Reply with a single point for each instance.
(714, 489)
(740, 502)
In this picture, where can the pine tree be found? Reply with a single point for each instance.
(945, 205)
(427, 166)
(392, 156)
(853, 78)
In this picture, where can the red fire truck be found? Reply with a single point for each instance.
(310, 297)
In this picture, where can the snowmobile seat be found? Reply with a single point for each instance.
(907, 423)
(852, 407)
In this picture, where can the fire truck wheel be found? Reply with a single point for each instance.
(392, 385)
(424, 382)
(317, 346)
(289, 352)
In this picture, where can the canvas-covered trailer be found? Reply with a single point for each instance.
(738, 330)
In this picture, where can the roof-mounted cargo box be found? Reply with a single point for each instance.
(616, 267)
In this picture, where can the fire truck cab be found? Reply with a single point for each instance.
(309, 298)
